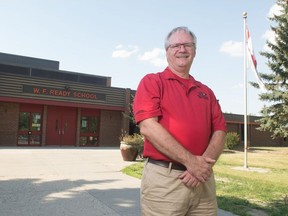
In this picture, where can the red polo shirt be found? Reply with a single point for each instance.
(188, 109)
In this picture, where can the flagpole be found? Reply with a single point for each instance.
(245, 92)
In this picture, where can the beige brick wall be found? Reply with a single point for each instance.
(110, 128)
(9, 118)
(260, 138)
(256, 137)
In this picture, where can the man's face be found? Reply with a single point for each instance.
(180, 52)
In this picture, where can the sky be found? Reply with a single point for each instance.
(125, 39)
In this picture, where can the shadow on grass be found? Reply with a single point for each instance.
(255, 149)
(228, 151)
(242, 207)
(251, 149)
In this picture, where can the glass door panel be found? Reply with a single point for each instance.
(29, 128)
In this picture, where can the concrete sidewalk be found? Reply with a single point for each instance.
(67, 182)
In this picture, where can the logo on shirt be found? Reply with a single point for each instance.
(202, 95)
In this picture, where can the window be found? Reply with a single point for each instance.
(89, 131)
(89, 124)
(36, 122)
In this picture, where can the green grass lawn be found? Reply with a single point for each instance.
(246, 191)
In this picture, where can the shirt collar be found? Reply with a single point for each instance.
(168, 74)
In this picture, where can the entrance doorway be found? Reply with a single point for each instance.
(61, 126)
(30, 125)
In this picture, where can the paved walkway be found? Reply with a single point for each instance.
(67, 182)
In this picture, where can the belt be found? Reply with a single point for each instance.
(166, 164)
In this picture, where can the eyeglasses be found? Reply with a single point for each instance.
(178, 46)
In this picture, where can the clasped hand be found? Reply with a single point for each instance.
(198, 171)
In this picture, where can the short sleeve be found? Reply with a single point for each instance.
(218, 120)
(147, 98)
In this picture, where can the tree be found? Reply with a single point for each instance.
(133, 128)
(275, 115)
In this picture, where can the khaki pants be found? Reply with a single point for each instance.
(163, 194)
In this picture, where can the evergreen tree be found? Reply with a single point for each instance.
(275, 115)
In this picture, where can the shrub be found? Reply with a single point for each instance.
(135, 139)
(232, 139)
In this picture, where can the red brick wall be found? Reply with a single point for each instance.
(9, 113)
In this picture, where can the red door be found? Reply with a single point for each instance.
(61, 126)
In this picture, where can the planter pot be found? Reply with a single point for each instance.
(128, 152)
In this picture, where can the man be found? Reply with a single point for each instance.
(184, 130)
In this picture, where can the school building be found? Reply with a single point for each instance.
(41, 105)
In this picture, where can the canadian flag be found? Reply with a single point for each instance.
(252, 59)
